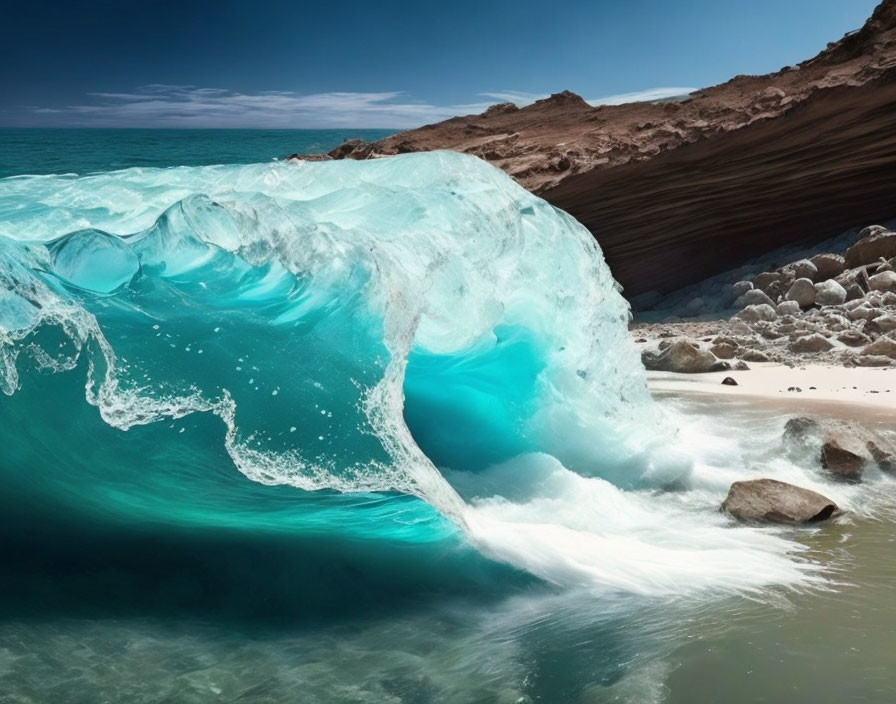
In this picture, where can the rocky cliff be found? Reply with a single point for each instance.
(678, 190)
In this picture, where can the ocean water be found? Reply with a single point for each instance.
(372, 432)
(85, 151)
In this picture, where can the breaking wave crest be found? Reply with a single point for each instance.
(418, 326)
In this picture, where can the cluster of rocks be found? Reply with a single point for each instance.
(834, 308)
(839, 451)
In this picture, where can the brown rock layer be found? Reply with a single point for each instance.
(687, 214)
(676, 191)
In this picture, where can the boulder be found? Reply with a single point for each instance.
(829, 293)
(693, 307)
(684, 357)
(723, 350)
(853, 338)
(803, 292)
(872, 360)
(882, 346)
(811, 343)
(739, 288)
(766, 279)
(871, 248)
(753, 297)
(885, 460)
(827, 266)
(842, 464)
(800, 432)
(803, 269)
(884, 323)
(863, 312)
(754, 356)
(756, 313)
(771, 501)
(728, 381)
(884, 281)
(854, 292)
(788, 308)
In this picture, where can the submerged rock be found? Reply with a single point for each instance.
(884, 460)
(802, 436)
(771, 501)
(842, 464)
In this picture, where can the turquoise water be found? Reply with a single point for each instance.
(372, 431)
(82, 151)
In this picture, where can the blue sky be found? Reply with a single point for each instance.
(279, 63)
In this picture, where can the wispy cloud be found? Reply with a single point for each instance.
(522, 98)
(514, 96)
(160, 105)
(641, 96)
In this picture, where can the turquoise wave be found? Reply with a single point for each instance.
(383, 371)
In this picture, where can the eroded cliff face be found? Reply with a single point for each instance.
(679, 190)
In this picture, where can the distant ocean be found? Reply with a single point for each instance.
(83, 151)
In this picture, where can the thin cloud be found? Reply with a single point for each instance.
(522, 98)
(642, 96)
(189, 106)
(160, 105)
(519, 98)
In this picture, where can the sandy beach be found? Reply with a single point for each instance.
(813, 389)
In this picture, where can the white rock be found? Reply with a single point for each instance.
(885, 281)
(788, 308)
(811, 343)
(829, 293)
(754, 297)
(739, 288)
(755, 313)
(803, 269)
(803, 292)
(863, 312)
